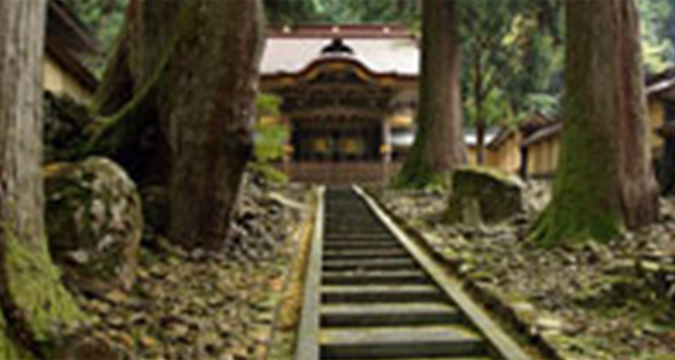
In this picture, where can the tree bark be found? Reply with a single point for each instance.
(439, 143)
(480, 142)
(667, 163)
(192, 70)
(480, 120)
(605, 181)
(33, 302)
(211, 116)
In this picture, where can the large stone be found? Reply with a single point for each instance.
(94, 223)
(480, 195)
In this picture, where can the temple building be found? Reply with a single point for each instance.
(348, 98)
(348, 94)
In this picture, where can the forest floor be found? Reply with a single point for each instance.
(612, 301)
(199, 305)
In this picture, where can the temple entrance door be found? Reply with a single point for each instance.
(346, 141)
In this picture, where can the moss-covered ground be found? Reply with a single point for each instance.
(593, 301)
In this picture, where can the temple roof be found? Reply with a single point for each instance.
(67, 39)
(491, 134)
(387, 49)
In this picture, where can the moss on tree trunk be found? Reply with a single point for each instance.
(192, 67)
(35, 307)
(604, 181)
(439, 143)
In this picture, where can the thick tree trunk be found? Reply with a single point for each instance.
(192, 70)
(667, 163)
(480, 143)
(135, 90)
(33, 302)
(439, 143)
(211, 115)
(480, 119)
(605, 181)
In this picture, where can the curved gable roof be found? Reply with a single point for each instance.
(319, 65)
(380, 50)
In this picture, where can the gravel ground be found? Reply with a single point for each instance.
(597, 301)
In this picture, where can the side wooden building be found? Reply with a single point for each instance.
(68, 40)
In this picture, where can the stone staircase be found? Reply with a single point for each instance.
(376, 300)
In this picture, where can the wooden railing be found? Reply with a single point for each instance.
(340, 173)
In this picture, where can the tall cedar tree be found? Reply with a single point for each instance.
(33, 302)
(179, 94)
(604, 182)
(439, 143)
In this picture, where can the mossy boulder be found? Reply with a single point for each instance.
(479, 195)
(94, 223)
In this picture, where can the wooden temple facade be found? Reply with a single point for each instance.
(348, 98)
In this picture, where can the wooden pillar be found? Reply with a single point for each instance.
(385, 148)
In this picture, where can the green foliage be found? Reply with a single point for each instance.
(542, 103)
(495, 108)
(104, 18)
(342, 11)
(268, 104)
(372, 11)
(512, 50)
(269, 141)
(658, 33)
(269, 172)
(291, 11)
(270, 138)
(542, 51)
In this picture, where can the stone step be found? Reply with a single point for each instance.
(335, 204)
(359, 237)
(407, 342)
(360, 219)
(366, 254)
(440, 358)
(369, 264)
(389, 314)
(374, 253)
(355, 216)
(358, 244)
(354, 227)
(380, 293)
(375, 277)
(349, 231)
(361, 245)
